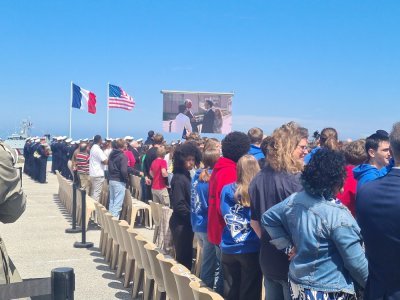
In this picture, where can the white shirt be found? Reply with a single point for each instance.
(96, 168)
(182, 121)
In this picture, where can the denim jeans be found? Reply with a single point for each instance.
(219, 272)
(117, 195)
(276, 289)
(209, 260)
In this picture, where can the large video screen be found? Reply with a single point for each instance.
(202, 112)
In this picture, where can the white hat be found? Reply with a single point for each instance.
(37, 140)
(85, 140)
(68, 140)
(139, 140)
(128, 138)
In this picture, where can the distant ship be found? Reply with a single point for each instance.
(17, 140)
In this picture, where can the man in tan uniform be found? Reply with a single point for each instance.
(12, 205)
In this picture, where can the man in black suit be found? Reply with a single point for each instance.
(378, 214)
(209, 117)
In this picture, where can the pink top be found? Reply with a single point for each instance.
(131, 158)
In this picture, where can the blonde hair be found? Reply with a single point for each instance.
(211, 143)
(161, 151)
(247, 167)
(285, 140)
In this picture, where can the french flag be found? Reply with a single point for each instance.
(77, 93)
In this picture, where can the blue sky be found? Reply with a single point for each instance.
(321, 63)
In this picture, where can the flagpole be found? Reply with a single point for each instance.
(70, 112)
(108, 108)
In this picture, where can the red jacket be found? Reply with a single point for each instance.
(224, 173)
(348, 197)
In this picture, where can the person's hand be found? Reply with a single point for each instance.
(147, 180)
(292, 253)
(141, 174)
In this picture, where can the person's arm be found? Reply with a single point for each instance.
(164, 167)
(179, 201)
(255, 209)
(135, 172)
(274, 221)
(226, 201)
(348, 243)
(164, 172)
(102, 156)
(124, 168)
(151, 173)
(256, 227)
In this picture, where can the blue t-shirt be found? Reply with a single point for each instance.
(199, 203)
(238, 237)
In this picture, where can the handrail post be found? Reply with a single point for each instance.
(83, 244)
(74, 229)
(62, 284)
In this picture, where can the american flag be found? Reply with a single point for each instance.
(118, 98)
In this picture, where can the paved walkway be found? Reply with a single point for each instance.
(37, 243)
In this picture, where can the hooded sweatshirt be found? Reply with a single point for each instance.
(199, 203)
(366, 172)
(238, 237)
(224, 173)
(256, 152)
(118, 166)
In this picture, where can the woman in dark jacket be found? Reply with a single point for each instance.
(185, 158)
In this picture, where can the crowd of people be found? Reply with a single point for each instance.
(312, 219)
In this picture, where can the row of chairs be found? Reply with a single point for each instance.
(141, 262)
(65, 193)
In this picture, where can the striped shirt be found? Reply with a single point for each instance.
(82, 163)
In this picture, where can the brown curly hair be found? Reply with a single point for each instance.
(285, 140)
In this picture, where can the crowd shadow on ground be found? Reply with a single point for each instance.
(98, 259)
(115, 283)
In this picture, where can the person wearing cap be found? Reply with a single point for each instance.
(149, 140)
(36, 161)
(64, 158)
(378, 163)
(56, 155)
(43, 152)
(209, 118)
(97, 162)
(52, 144)
(26, 156)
